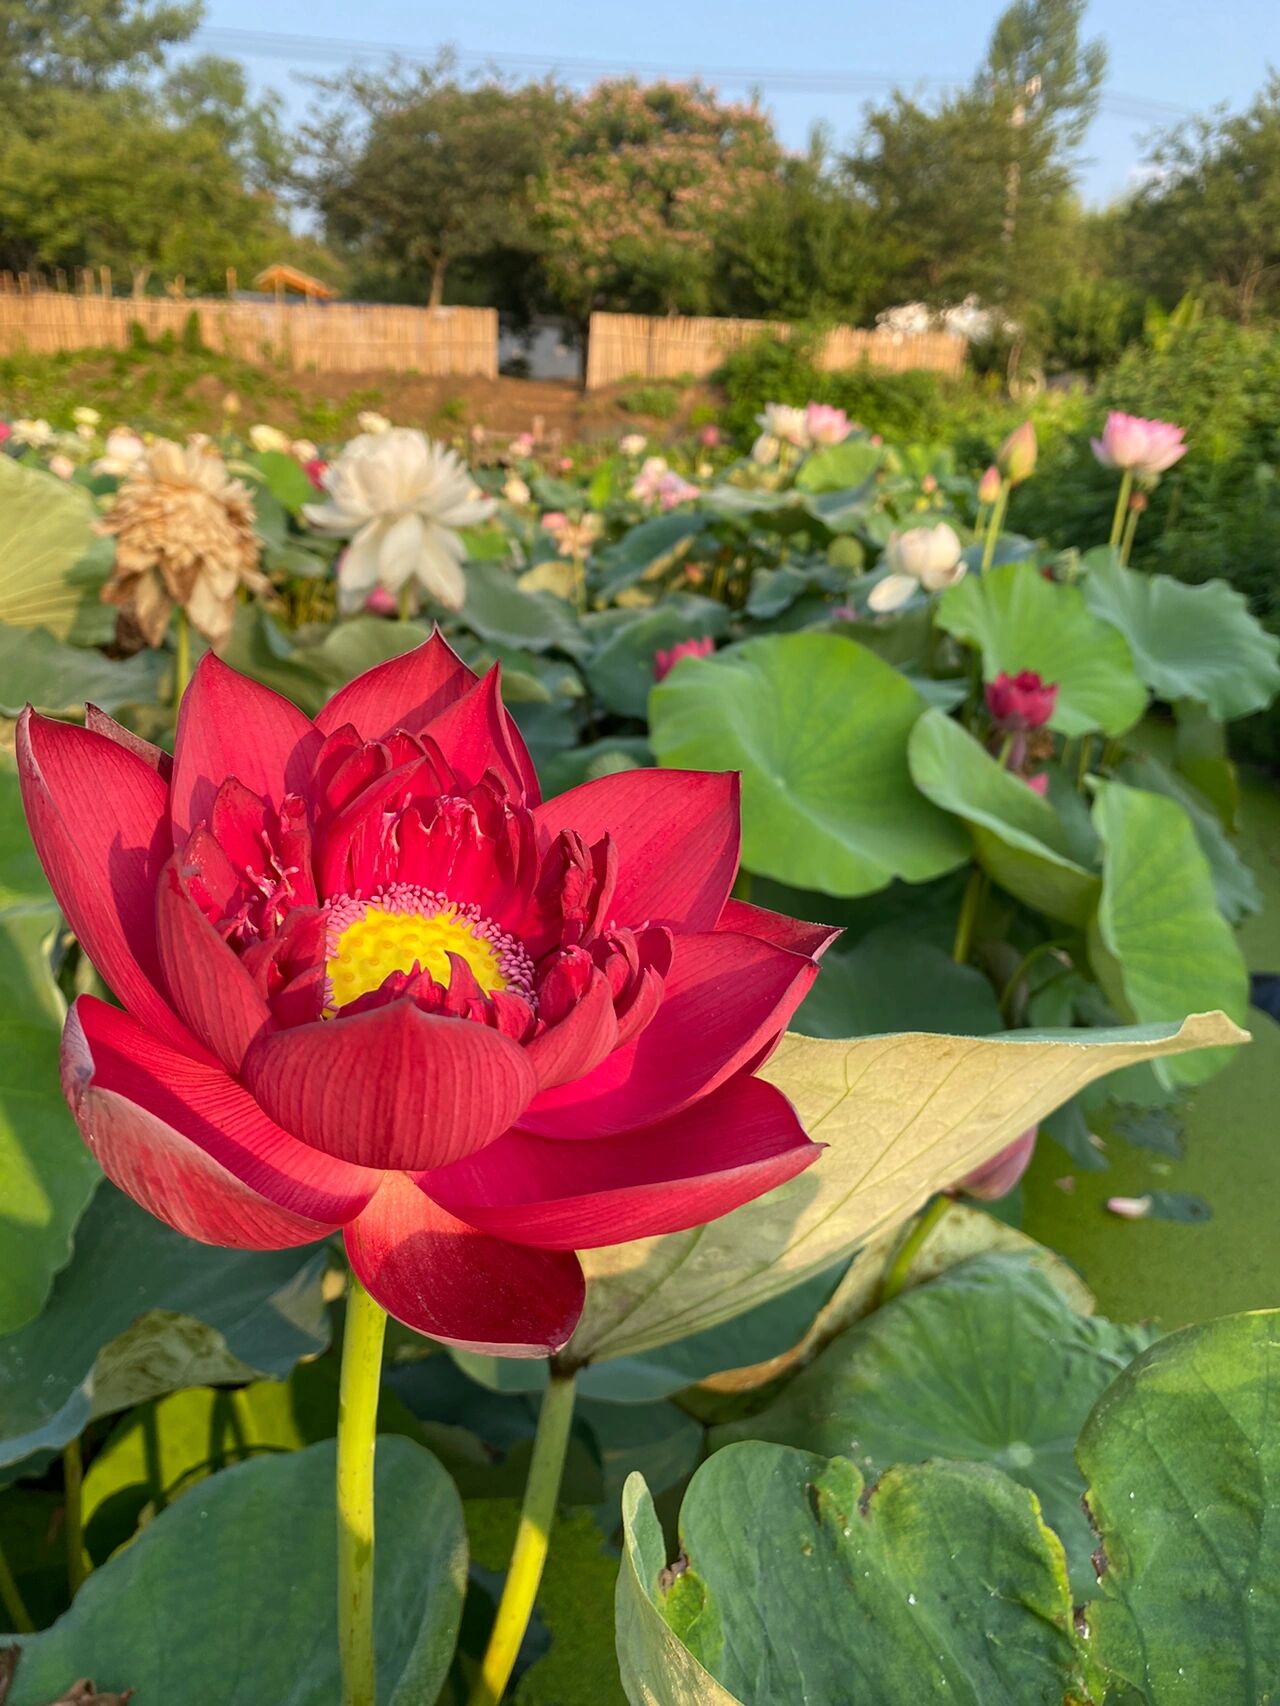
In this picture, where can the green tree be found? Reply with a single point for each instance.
(972, 194)
(417, 172)
(86, 44)
(641, 180)
(1208, 220)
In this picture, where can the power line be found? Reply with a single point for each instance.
(272, 44)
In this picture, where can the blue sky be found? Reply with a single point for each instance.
(1167, 57)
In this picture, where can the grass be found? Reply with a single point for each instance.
(1156, 1269)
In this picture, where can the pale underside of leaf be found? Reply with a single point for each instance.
(903, 1116)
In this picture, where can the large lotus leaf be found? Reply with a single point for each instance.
(648, 549)
(1159, 945)
(1182, 1458)
(621, 672)
(501, 612)
(140, 1311)
(46, 1174)
(1019, 621)
(840, 467)
(891, 979)
(799, 1580)
(1188, 642)
(903, 1116)
(927, 1376)
(228, 1596)
(1018, 837)
(818, 726)
(1234, 884)
(51, 562)
(37, 669)
(160, 1450)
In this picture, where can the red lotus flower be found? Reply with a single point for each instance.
(371, 982)
(1020, 702)
(664, 661)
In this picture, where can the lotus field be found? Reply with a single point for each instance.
(531, 985)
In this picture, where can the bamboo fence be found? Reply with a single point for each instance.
(640, 346)
(338, 337)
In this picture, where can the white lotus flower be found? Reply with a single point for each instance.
(922, 557)
(124, 448)
(765, 450)
(786, 423)
(369, 420)
(516, 491)
(86, 417)
(633, 444)
(303, 449)
(400, 496)
(264, 438)
(35, 433)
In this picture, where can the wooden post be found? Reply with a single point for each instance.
(60, 279)
(231, 281)
(104, 276)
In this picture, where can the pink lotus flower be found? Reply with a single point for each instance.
(6, 431)
(989, 486)
(997, 1177)
(1143, 447)
(665, 661)
(370, 982)
(1016, 457)
(315, 468)
(1020, 702)
(827, 425)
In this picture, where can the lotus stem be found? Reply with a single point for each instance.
(182, 660)
(532, 1538)
(12, 1600)
(994, 525)
(73, 1515)
(970, 906)
(895, 1275)
(1122, 504)
(1130, 528)
(362, 1337)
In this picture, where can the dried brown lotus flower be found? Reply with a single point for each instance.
(184, 536)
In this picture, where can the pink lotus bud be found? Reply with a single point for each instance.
(1016, 457)
(565, 464)
(929, 484)
(1139, 446)
(989, 486)
(315, 471)
(380, 602)
(709, 436)
(6, 431)
(1038, 784)
(997, 1177)
(1020, 702)
(665, 661)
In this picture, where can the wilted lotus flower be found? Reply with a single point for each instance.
(665, 661)
(1138, 446)
(1017, 455)
(515, 491)
(370, 421)
(997, 1177)
(826, 424)
(989, 485)
(125, 448)
(35, 433)
(368, 981)
(632, 444)
(184, 536)
(264, 438)
(766, 450)
(401, 497)
(786, 423)
(1020, 702)
(922, 557)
